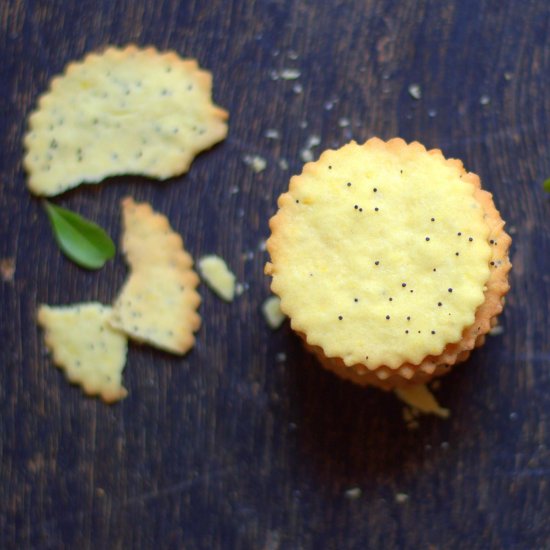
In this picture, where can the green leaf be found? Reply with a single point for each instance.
(82, 241)
(546, 185)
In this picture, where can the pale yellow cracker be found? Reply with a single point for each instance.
(366, 278)
(218, 276)
(86, 348)
(383, 258)
(158, 302)
(123, 111)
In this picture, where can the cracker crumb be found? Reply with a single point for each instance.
(297, 88)
(7, 269)
(239, 289)
(271, 133)
(290, 74)
(306, 155)
(432, 113)
(280, 357)
(283, 164)
(401, 498)
(273, 315)
(420, 398)
(217, 276)
(343, 122)
(256, 162)
(508, 75)
(353, 493)
(484, 99)
(496, 330)
(415, 91)
(313, 141)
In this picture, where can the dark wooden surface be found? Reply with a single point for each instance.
(231, 446)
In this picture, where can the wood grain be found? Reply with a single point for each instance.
(233, 446)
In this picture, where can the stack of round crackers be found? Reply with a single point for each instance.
(390, 261)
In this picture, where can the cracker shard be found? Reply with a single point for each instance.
(218, 276)
(123, 111)
(158, 302)
(422, 399)
(86, 348)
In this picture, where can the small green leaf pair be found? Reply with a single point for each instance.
(82, 241)
(546, 185)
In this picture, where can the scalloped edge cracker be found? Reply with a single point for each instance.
(389, 376)
(122, 111)
(86, 348)
(158, 302)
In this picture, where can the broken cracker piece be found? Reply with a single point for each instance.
(158, 302)
(122, 111)
(218, 276)
(86, 348)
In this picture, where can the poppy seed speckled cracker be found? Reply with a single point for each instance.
(86, 348)
(390, 261)
(158, 302)
(123, 111)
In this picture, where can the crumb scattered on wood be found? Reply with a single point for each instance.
(353, 493)
(271, 133)
(273, 315)
(255, 162)
(7, 269)
(289, 74)
(306, 154)
(420, 399)
(415, 91)
(283, 164)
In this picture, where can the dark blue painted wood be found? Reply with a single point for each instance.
(230, 447)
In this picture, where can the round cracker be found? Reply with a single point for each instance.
(493, 288)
